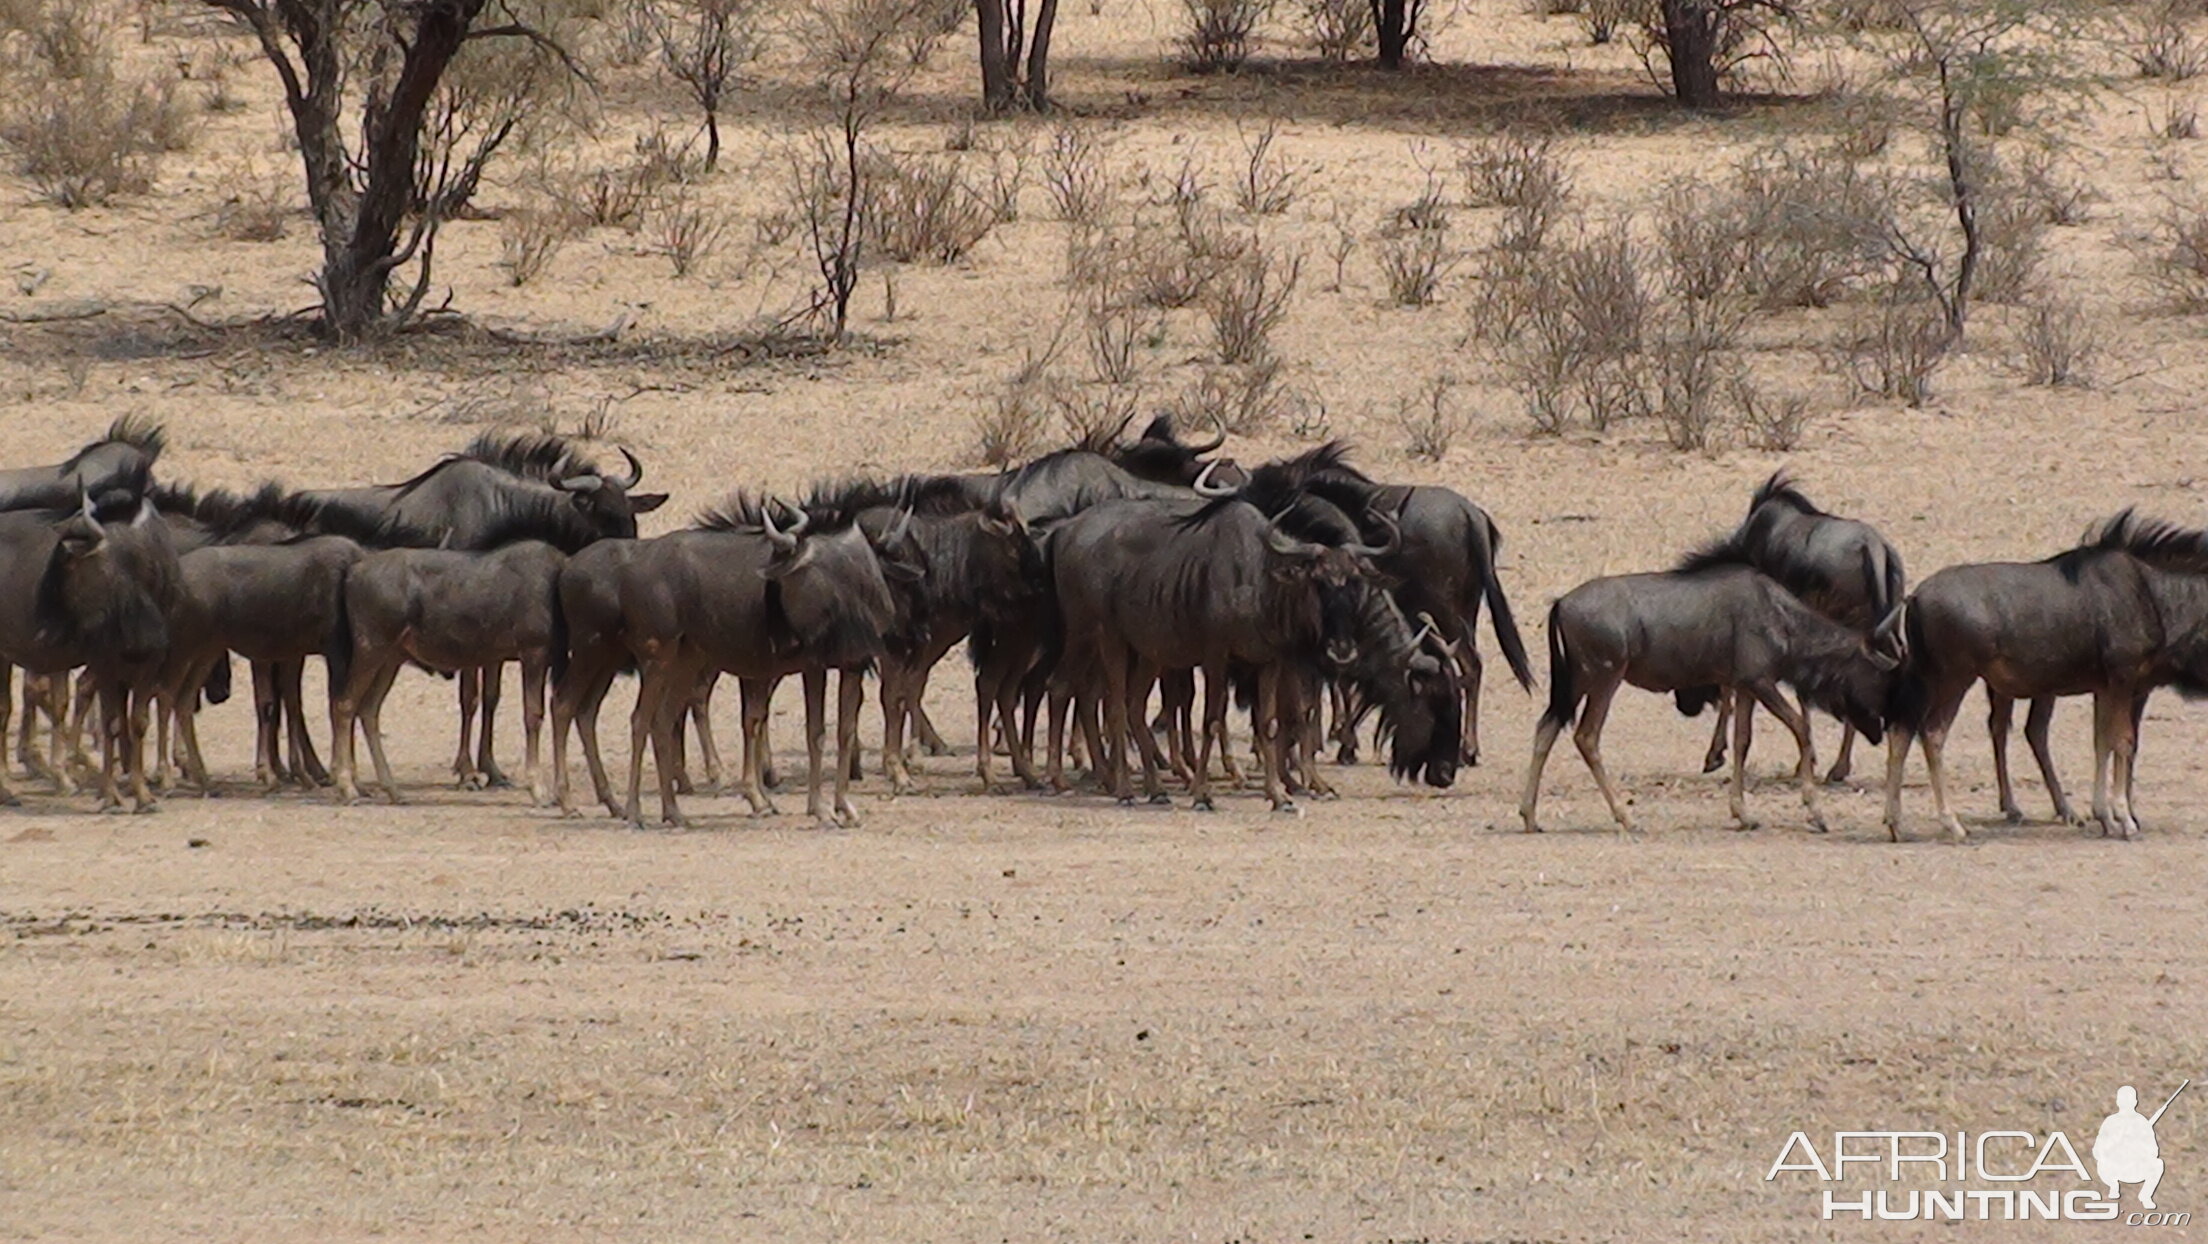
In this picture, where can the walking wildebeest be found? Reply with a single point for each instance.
(2118, 616)
(1144, 587)
(1841, 567)
(1444, 564)
(503, 486)
(741, 595)
(447, 610)
(1711, 623)
(78, 589)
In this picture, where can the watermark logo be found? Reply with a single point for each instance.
(1996, 1175)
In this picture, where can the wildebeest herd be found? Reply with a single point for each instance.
(1092, 586)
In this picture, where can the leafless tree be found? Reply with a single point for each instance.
(705, 45)
(1006, 35)
(422, 127)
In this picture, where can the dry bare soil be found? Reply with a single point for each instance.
(1393, 1017)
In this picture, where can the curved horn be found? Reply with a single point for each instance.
(1203, 485)
(897, 531)
(98, 528)
(1286, 545)
(1374, 552)
(146, 513)
(1428, 627)
(636, 471)
(1219, 423)
(580, 483)
(783, 541)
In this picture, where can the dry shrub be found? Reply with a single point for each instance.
(686, 232)
(1247, 300)
(1894, 342)
(1074, 170)
(1773, 423)
(1216, 34)
(1338, 30)
(1865, 121)
(259, 205)
(1268, 185)
(931, 25)
(2177, 120)
(84, 140)
(1867, 16)
(1578, 320)
(1415, 261)
(2162, 48)
(920, 209)
(1809, 224)
(2059, 198)
(1008, 163)
(1695, 368)
(1509, 169)
(1246, 399)
(2012, 230)
(2174, 256)
(1603, 19)
(68, 38)
(1092, 413)
(530, 236)
(2056, 343)
(1010, 428)
(661, 160)
(1430, 418)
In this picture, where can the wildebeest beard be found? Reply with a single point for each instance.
(106, 590)
(1421, 702)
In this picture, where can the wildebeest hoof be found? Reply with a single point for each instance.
(1160, 799)
(683, 787)
(2014, 816)
(470, 781)
(1202, 803)
(392, 797)
(1712, 763)
(1287, 807)
(1128, 801)
(1745, 824)
(1817, 825)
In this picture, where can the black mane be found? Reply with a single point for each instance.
(1724, 552)
(531, 455)
(138, 431)
(932, 495)
(1781, 490)
(2157, 542)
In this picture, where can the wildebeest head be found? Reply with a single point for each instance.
(1337, 578)
(608, 503)
(1007, 566)
(1855, 684)
(110, 582)
(832, 587)
(1161, 454)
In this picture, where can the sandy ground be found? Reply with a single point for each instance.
(1012, 1018)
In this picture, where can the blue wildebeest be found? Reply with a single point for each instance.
(123, 458)
(93, 588)
(1145, 586)
(1841, 567)
(741, 594)
(2118, 616)
(504, 486)
(1713, 624)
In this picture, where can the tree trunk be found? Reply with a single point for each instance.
(1391, 24)
(1690, 31)
(997, 86)
(1038, 56)
(712, 139)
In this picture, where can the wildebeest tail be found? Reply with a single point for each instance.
(337, 645)
(1498, 606)
(1563, 687)
(216, 690)
(560, 638)
(1909, 696)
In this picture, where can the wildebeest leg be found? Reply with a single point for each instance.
(815, 684)
(1266, 725)
(1897, 766)
(1343, 733)
(1805, 773)
(1844, 763)
(78, 705)
(1060, 709)
(931, 739)
(1714, 759)
(850, 699)
(463, 759)
(895, 710)
(1935, 763)
(371, 725)
(700, 708)
(190, 758)
(534, 671)
(291, 681)
(26, 753)
(2000, 711)
(1111, 750)
(2042, 715)
(681, 760)
(1146, 743)
(2112, 755)
(1217, 695)
(8, 797)
(1176, 711)
(268, 712)
(1544, 739)
(1588, 738)
(139, 703)
(575, 701)
(757, 698)
(494, 676)
(1469, 653)
(668, 683)
(113, 714)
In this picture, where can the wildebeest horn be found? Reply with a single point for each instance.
(146, 513)
(783, 541)
(897, 530)
(636, 472)
(98, 528)
(1374, 552)
(1203, 485)
(1428, 627)
(1215, 442)
(581, 483)
(1286, 545)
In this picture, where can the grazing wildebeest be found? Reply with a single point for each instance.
(1841, 567)
(1144, 587)
(275, 605)
(504, 486)
(80, 589)
(1444, 563)
(122, 459)
(448, 610)
(740, 594)
(1709, 624)
(2118, 616)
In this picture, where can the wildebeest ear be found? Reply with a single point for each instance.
(903, 572)
(1883, 659)
(646, 502)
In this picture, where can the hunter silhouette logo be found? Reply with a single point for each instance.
(2125, 1152)
(1996, 1174)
